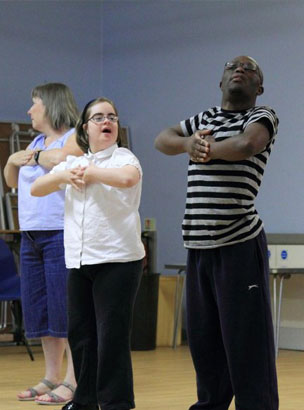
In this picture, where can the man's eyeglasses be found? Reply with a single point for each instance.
(100, 118)
(248, 66)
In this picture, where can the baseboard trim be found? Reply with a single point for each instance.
(291, 338)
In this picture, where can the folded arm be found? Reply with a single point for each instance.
(49, 158)
(242, 146)
(48, 183)
(14, 162)
(172, 141)
(124, 177)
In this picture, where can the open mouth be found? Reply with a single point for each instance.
(106, 130)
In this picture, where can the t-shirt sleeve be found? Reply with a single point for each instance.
(123, 157)
(266, 116)
(191, 125)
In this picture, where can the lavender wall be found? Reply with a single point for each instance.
(163, 61)
(48, 41)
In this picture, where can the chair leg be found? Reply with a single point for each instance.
(3, 320)
(19, 336)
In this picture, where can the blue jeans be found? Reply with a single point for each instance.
(43, 284)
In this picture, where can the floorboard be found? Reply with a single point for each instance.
(164, 378)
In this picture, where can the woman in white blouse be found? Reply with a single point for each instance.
(104, 251)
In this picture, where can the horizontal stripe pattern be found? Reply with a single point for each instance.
(220, 194)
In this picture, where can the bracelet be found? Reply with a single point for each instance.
(36, 156)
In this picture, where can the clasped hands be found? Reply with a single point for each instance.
(23, 157)
(80, 176)
(199, 146)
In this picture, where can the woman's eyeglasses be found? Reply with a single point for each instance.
(100, 118)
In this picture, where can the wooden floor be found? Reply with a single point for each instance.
(164, 378)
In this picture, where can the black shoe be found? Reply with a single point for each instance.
(71, 405)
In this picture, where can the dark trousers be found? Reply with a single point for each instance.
(100, 308)
(230, 327)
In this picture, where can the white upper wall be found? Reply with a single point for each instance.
(163, 61)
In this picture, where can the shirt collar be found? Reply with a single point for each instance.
(101, 154)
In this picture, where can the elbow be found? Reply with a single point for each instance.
(162, 147)
(11, 184)
(35, 191)
(161, 144)
(170, 142)
(249, 149)
(10, 181)
(59, 157)
(128, 182)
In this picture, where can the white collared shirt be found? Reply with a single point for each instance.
(102, 222)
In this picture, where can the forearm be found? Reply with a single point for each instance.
(48, 159)
(124, 177)
(232, 149)
(14, 162)
(242, 146)
(171, 142)
(11, 173)
(47, 184)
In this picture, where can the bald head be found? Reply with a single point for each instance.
(259, 71)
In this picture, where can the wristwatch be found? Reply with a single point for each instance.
(36, 156)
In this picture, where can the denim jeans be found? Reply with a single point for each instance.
(43, 283)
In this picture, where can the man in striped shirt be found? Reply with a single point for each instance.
(228, 301)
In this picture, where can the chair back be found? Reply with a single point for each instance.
(11, 200)
(2, 208)
(9, 278)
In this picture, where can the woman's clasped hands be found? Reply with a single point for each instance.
(22, 157)
(80, 176)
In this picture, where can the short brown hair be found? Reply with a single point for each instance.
(59, 102)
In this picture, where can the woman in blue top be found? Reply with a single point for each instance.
(43, 271)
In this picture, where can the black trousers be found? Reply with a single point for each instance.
(100, 309)
(230, 327)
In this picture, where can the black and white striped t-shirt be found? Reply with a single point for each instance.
(220, 195)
